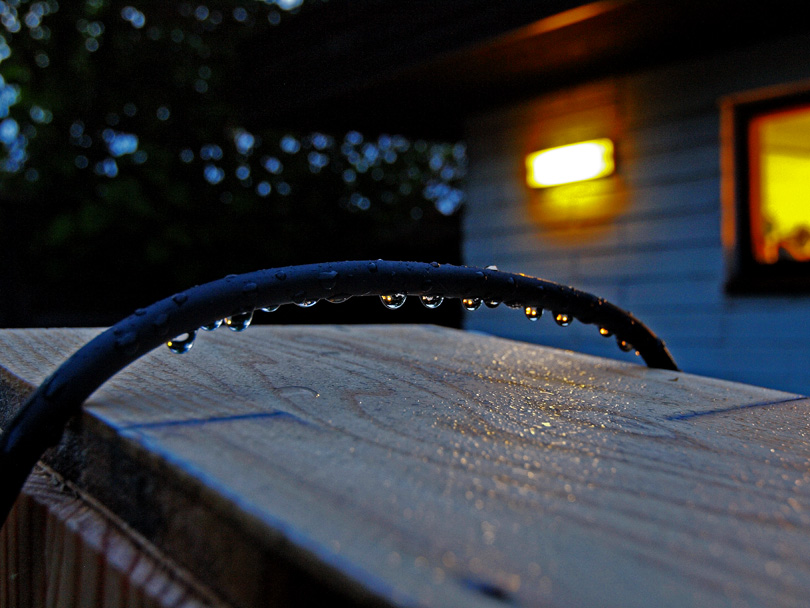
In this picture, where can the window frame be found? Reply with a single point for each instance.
(744, 273)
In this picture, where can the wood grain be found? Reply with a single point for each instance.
(401, 465)
(61, 549)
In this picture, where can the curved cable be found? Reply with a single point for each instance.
(41, 420)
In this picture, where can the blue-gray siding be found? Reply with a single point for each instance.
(662, 256)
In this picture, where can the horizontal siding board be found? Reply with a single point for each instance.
(699, 193)
(667, 294)
(524, 247)
(674, 229)
(786, 328)
(694, 163)
(497, 212)
(676, 263)
(684, 133)
(662, 255)
(516, 220)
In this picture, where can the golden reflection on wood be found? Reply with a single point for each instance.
(402, 464)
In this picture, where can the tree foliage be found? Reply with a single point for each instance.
(126, 172)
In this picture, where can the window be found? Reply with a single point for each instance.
(766, 190)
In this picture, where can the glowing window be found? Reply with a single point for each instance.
(766, 190)
(779, 148)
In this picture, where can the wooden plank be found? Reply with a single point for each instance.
(416, 465)
(62, 549)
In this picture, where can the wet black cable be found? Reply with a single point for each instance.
(40, 422)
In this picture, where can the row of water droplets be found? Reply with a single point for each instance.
(240, 322)
(532, 313)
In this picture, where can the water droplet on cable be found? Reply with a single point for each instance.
(431, 301)
(239, 322)
(281, 275)
(624, 345)
(533, 313)
(128, 342)
(212, 326)
(372, 267)
(270, 308)
(338, 299)
(179, 298)
(160, 324)
(562, 319)
(471, 303)
(393, 301)
(604, 331)
(514, 305)
(491, 303)
(182, 343)
(491, 267)
(140, 312)
(328, 279)
(306, 303)
(435, 264)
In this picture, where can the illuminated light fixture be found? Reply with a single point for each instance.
(572, 163)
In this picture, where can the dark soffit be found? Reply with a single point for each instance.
(420, 67)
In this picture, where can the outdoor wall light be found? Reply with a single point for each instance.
(571, 163)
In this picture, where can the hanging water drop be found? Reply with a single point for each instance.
(624, 345)
(393, 301)
(182, 343)
(491, 303)
(212, 326)
(431, 301)
(533, 313)
(562, 319)
(239, 322)
(471, 303)
(604, 331)
(273, 308)
(306, 303)
(338, 299)
(514, 305)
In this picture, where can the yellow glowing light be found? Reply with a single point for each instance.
(572, 163)
(780, 165)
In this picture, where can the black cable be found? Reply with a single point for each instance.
(41, 420)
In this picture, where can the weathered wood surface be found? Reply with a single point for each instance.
(60, 549)
(416, 465)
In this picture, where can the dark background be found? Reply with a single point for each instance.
(94, 224)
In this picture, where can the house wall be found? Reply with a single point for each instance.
(651, 241)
